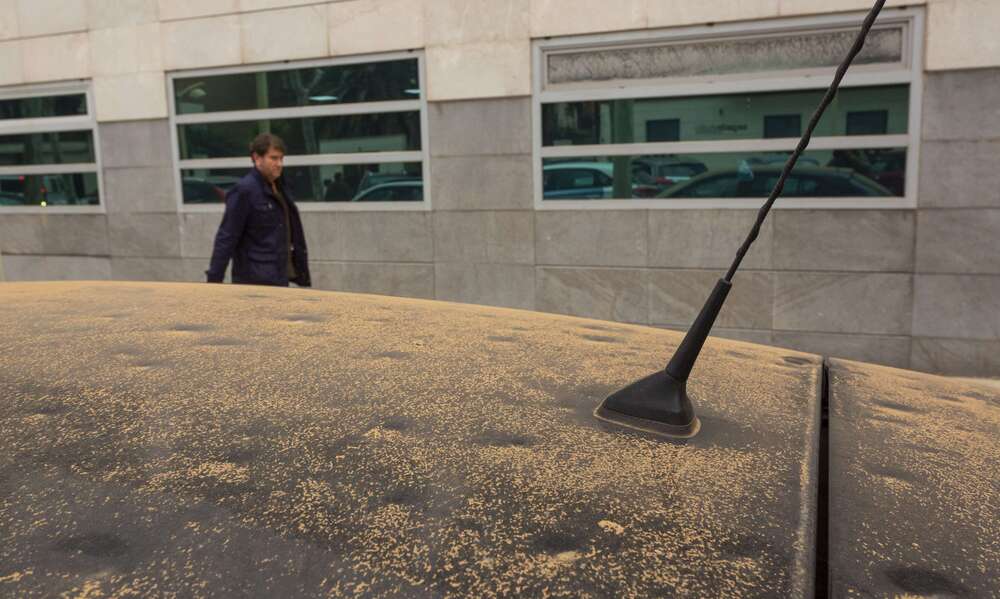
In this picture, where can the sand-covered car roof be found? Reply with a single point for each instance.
(914, 484)
(227, 440)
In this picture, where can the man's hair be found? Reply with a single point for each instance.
(264, 142)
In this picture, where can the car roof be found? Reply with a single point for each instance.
(370, 190)
(603, 166)
(773, 169)
(396, 446)
(404, 183)
(236, 440)
(667, 160)
(798, 170)
(914, 491)
(378, 186)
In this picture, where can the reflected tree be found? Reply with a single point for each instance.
(622, 133)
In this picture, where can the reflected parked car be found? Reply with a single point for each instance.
(585, 180)
(780, 158)
(396, 191)
(885, 166)
(199, 191)
(577, 180)
(750, 181)
(372, 178)
(664, 172)
(222, 181)
(8, 198)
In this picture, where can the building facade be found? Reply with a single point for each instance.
(601, 159)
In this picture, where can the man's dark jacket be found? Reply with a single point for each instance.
(254, 236)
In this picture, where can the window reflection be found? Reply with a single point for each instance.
(64, 147)
(34, 150)
(72, 189)
(43, 107)
(854, 111)
(296, 97)
(395, 131)
(315, 86)
(817, 174)
(663, 130)
(868, 122)
(377, 182)
(782, 125)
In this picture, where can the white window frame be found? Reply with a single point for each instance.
(422, 155)
(910, 72)
(51, 125)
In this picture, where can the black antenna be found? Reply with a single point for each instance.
(659, 403)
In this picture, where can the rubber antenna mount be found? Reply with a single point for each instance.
(659, 403)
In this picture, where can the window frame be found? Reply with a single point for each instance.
(909, 71)
(422, 155)
(53, 125)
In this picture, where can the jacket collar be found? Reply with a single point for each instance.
(267, 186)
(260, 178)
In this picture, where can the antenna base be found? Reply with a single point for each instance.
(657, 404)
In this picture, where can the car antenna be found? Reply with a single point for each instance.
(659, 403)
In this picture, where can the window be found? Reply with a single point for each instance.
(355, 130)
(868, 122)
(782, 125)
(713, 113)
(663, 130)
(48, 150)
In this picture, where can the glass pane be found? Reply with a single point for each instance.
(47, 148)
(663, 130)
(759, 54)
(731, 116)
(73, 189)
(388, 132)
(867, 122)
(818, 173)
(43, 106)
(782, 125)
(384, 182)
(314, 86)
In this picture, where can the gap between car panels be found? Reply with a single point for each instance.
(822, 570)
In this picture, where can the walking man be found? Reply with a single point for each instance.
(261, 230)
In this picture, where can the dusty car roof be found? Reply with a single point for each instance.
(210, 439)
(914, 484)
